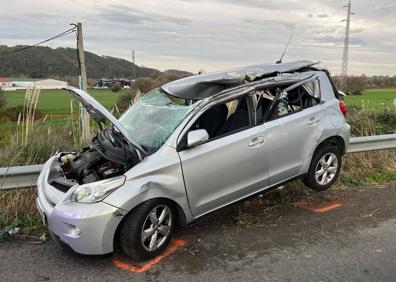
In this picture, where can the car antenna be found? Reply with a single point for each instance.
(284, 51)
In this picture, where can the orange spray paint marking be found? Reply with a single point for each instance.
(123, 264)
(310, 206)
(327, 208)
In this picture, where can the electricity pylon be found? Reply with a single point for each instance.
(345, 56)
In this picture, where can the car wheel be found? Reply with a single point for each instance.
(147, 230)
(325, 167)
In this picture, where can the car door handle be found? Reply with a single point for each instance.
(256, 142)
(313, 121)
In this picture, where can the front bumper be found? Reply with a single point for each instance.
(87, 229)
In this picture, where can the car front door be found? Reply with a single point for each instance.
(225, 169)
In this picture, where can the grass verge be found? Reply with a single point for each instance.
(18, 210)
(368, 168)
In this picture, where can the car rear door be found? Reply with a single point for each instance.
(292, 138)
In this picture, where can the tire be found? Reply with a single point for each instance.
(323, 172)
(146, 219)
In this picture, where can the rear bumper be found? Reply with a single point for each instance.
(86, 228)
(347, 137)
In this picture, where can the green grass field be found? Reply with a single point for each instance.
(375, 99)
(57, 102)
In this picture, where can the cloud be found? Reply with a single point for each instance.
(209, 34)
(127, 15)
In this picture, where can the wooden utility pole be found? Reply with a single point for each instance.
(83, 83)
(133, 65)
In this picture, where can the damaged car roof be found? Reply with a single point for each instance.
(202, 86)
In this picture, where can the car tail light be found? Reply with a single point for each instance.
(343, 108)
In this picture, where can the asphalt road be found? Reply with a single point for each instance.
(341, 235)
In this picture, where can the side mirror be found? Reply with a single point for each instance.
(196, 137)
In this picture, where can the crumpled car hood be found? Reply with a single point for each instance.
(101, 114)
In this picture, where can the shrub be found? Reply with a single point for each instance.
(145, 84)
(386, 120)
(365, 122)
(125, 101)
(115, 87)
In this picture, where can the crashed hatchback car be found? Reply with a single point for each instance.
(190, 147)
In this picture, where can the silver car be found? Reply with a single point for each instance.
(188, 148)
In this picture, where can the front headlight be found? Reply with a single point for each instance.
(96, 191)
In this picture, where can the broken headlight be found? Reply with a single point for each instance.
(96, 191)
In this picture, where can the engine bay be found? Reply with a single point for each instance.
(108, 155)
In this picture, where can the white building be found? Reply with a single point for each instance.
(42, 83)
(5, 82)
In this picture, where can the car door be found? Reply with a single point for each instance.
(225, 169)
(292, 138)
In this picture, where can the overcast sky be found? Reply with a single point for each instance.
(212, 35)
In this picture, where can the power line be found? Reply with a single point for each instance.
(70, 30)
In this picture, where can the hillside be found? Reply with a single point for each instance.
(178, 73)
(62, 62)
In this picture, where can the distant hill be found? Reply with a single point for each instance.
(62, 63)
(178, 73)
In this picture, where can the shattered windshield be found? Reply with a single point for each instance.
(154, 117)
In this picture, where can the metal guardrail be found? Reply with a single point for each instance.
(19, 176)
(26, 176)
(372, 143)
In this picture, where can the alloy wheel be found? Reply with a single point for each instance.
(156, 228)
(326, 169)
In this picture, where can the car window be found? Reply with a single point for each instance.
(278, 102)
(313, 88)
(305, 94)
(222, 119)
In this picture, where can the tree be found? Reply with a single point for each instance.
(356, 84)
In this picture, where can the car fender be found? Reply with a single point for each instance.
(157, 176)
(334, 132)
